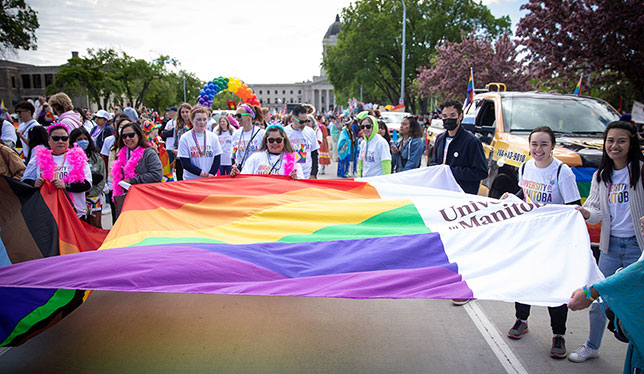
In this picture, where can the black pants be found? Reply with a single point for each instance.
(177, 165)
(558, 316)
(112, 206)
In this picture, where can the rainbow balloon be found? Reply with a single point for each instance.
(220, 84)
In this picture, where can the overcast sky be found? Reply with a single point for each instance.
(258, 41)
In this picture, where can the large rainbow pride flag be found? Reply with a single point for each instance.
(407, 235)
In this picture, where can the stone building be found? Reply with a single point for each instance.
(316, 91)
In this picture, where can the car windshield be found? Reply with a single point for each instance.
(569, 115)
(394, 117)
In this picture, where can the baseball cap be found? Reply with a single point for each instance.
(103, 114)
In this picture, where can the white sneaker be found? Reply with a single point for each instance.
(583, 353)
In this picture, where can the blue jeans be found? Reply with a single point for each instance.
(225, 169)
(621, 253)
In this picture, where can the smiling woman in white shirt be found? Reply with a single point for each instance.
(616, 200)
(199, 150)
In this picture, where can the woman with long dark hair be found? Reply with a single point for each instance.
(616, 200)
(82, 139)
(408, 151)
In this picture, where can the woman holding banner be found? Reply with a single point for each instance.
(545, 180)
(616, 200)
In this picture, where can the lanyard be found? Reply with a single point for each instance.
(279, 160)
(194, 137)
(96, 134)
(253, 133)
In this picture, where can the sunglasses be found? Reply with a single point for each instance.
(58, 138)
(365, 127)
(302, 121)
(275, 140)
(239, 115)
(129, 135)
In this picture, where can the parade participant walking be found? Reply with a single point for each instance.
(136, 163)
(247, 138)
(82, 139)
(303, 140)
(62, 106)
(275, 156)
(375, 157)
(102, 129)
(335, 129)
(408, 151)
(545, 180)
(173, 134)
(459, 149)
(26, 123)
(224, 132)
(347, 149)
(324, 158)
(199, 150)
(616, 200)
(66, 168)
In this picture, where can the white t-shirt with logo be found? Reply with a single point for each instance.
(194, 150)
(63, 167)
(621, 224)
(543, 186)
(304, 142)
(266, 163)
(372, 154)
(242, 145)
(226, 143)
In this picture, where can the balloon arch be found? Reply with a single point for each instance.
(219, 84)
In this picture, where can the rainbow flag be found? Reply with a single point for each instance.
(407, 235)
(38, 224)
(578, 87)
(469, 99)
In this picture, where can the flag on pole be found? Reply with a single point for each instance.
(578, 88)
(470, 90)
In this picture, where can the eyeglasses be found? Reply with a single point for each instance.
(58, 138)
(367, 127)
(129, 135)
(239, 115)
(275, 140)
(302, 121)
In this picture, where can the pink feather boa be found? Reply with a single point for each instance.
(124, 168)
(77, 160)
(289, 163)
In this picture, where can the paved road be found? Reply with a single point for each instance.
(160, 333)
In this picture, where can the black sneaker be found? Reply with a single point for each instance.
(558, 347)
(518, 330)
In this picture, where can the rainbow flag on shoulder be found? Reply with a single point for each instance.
(408, 235)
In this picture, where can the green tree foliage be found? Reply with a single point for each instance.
(18, 24)
(369, 46)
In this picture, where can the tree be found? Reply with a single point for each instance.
(582, 37)
(18, 24)
(491, 63)
(369, 48)
(136, 75)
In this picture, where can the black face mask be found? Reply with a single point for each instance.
(450, 123)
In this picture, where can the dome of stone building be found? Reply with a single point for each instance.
(334, 29)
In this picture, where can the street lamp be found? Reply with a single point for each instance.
(402, 73)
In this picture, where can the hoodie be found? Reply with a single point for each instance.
(375, 155)
(70, 119)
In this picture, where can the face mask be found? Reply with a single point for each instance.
(450, 123)
(83, 144)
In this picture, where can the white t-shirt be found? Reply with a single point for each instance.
(169, 142)
(448, 139)
(262, 162)
(25, 127)
(304, 142)
(194, 150)
(107, 144)
(89, 125)
(243, 147)
(372, 153)
(8, 132)
(63, 167)
(621, 224)
(226, 143)
(542, 186)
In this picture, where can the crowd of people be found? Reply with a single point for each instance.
(102, 154)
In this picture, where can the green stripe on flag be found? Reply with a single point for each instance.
(58, 300)
(405, 220)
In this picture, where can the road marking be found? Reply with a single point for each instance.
(4, 350)
(494, 339)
